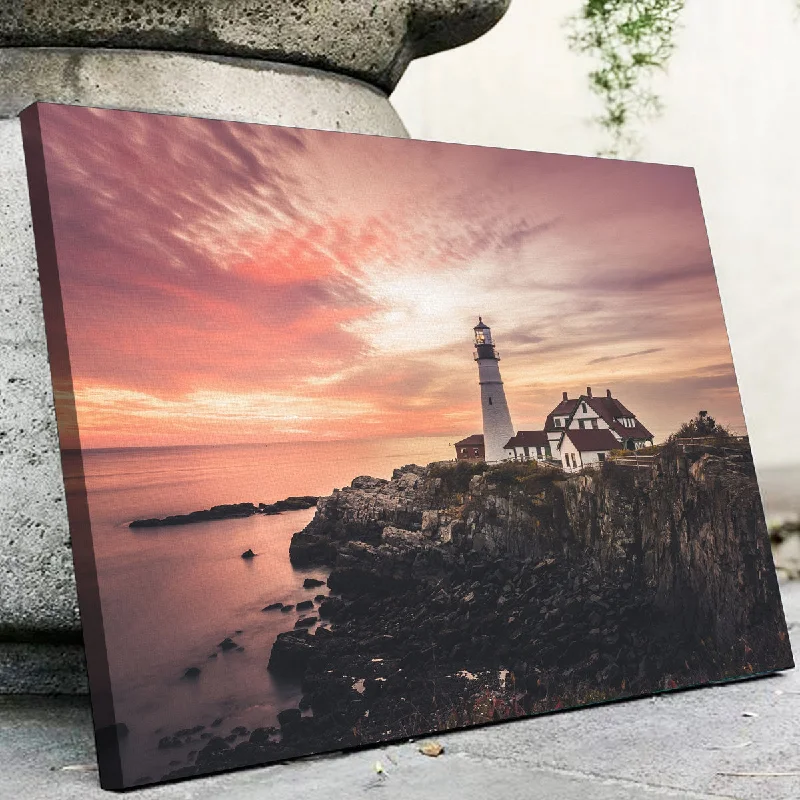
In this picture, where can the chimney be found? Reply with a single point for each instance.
(588, 391)
(608, 393)
(565, 396)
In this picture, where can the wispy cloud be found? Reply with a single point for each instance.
(239, 281)
(626, 355)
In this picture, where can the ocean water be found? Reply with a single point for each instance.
(170, 595)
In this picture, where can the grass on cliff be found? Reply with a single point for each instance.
(529, 476)
(455, 477)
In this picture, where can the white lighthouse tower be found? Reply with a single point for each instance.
(497, 427)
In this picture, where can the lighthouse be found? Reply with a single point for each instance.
(497, 427)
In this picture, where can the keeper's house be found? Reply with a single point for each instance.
(581, 431)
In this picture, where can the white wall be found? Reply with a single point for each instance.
(732, 110)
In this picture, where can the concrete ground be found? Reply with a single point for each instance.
(735, 741)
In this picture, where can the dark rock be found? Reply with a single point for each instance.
(169, 742)
(227, 644)
(290, 653)
(230, 511)
(320, 597)
(248, 554)
(217, 722)
(304, 605)
(289, 716)
(329, 607)
(308, 549)
(262, 735)
(312, 583)
(234, 511)
(272, 607)
(286, 609)
(305, 622)
(193, 673)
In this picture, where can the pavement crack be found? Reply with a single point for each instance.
(659, 789)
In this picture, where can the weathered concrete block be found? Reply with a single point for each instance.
(373, 41)
(42, 668)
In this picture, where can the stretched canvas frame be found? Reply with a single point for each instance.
(578, 559)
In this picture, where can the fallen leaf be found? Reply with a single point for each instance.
(431, 749)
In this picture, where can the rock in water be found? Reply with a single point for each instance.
(304, 605)
(227, 644)
(248, 554)
(272, 607)
(312, 583)
(192, 674)
(290, 653)
(306, 622)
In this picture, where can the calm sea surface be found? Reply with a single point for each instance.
(170, 595)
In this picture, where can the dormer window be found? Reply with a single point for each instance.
(558, 422)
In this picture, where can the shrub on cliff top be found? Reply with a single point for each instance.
(700, 427)
(530, 476)
(456, 477)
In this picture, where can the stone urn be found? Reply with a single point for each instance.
(326, 64)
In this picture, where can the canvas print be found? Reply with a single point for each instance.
(366, 438)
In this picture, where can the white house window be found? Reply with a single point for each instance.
(558, 422)
(601, 456)
(594, 424)
(583, 407)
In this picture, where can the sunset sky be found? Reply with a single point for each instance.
(227, 283)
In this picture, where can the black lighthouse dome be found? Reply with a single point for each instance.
(483, 341)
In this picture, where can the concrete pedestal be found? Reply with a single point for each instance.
(319, 65)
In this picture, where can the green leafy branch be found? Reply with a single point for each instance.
(632, 40)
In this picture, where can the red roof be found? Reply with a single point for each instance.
(593, 440)
(607, 408)
(638, 431)
(563, 409)
(528, 439)
(476, 440)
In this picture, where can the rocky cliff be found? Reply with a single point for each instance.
(462, 594)
(689, 528)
